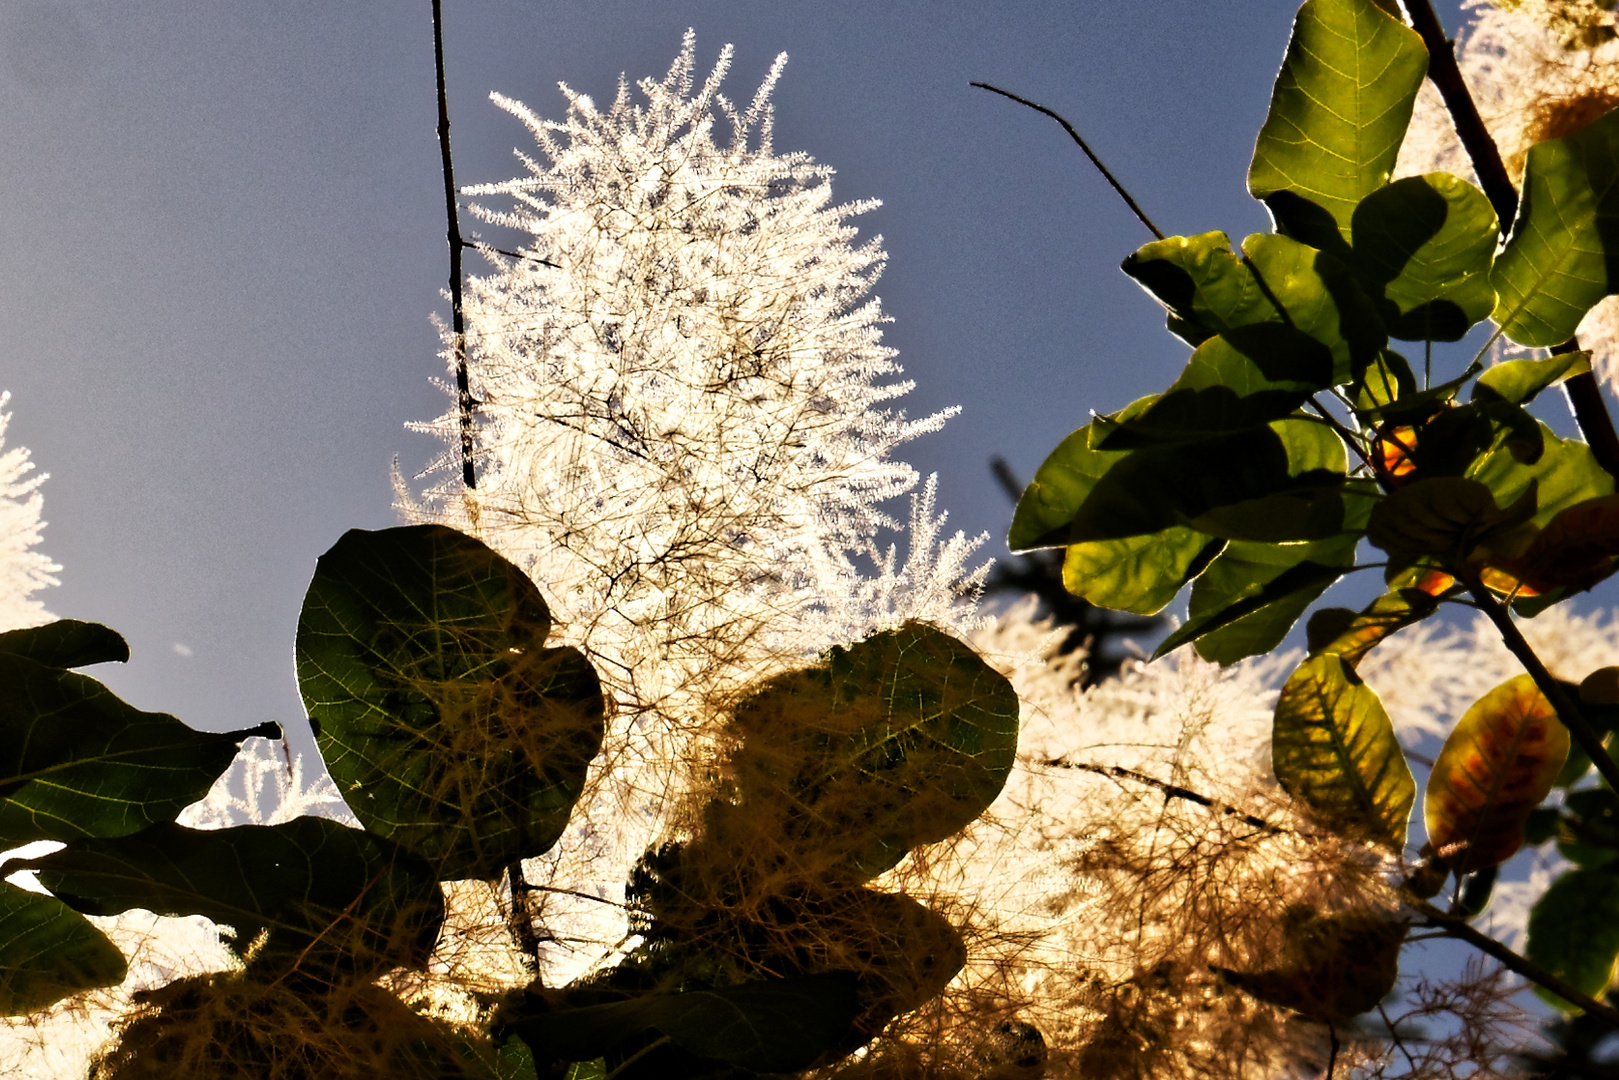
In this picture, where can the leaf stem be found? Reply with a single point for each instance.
(1458, 927)
(1072, 134)
(520, 919)
(458, 325)
(1567, 711)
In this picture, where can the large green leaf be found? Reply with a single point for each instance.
(1139, 574)
(1236, 380)
(1518, 381)
(49, 951)
(771, 1026)
(331, 897)
(1498, 763)
(1209, 290)
(67, 643)
(1334, 749)
(1565, 473)
(1337, 116)
(1574, 931)
(1283, 481)
(899, 740)
(1252, 593)
(1445, 516)
(1564, 253)
(77, 761)
(447, 724)
(1423, 249)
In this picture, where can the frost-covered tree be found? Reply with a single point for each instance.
(23, 571)
(682, 426)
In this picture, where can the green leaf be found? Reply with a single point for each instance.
(1236, 380)
(770, 1026)
(1574, 931)
(901, 739)
(76, 761)
(332, 897)
(1337, 117)
(1334, 749)
(447, 725)
(49, 951)
(1498, 763)
(67, 643)
(1139, 574)
(1589, 834)
(1557, 264)
(1565, 473)
(1423, 247)
(1252, 594)
(1518, 381)
(1387, 379)
(1059, 488)
(1209, 290)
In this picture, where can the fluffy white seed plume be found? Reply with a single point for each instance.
(23, 571)
(683, 430)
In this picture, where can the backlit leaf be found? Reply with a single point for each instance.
(1565, 473)
(1337, 117)
(77, 761)
(1498, 763)
(901, 739)
(1557, 264)
(332, 897)
(1209, 290)
(1423, 247)
(49, 951)
(446, 722)
(1139, 574)
(1518, 381)
(1358, 634)
(1574, 931)
(67, 643)
(1445, 516)
(1575, 550)
(1235, 380)
(1333, 967)
(1334, 749)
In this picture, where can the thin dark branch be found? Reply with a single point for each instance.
(511, 254)
(1591, 413)
(1171, 791)
(1072, 134)
(1567, 711)
(520, 919)
(1458, 927)
(458, 324)
(1476, 140)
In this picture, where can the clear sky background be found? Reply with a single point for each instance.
(222, 237)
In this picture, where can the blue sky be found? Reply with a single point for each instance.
(223, 232)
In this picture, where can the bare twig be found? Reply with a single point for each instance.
(1171, 791)
(1591, 413)
(1458, 927)
(458, 325)
(1072, 134)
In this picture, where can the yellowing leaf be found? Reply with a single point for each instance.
(1575, 550)
(1334, 749)
(1496, 766)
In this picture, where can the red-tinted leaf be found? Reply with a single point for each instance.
(1497, 765)
(1575, 550)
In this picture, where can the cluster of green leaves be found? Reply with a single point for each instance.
(461, 742)
(1297, 438)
